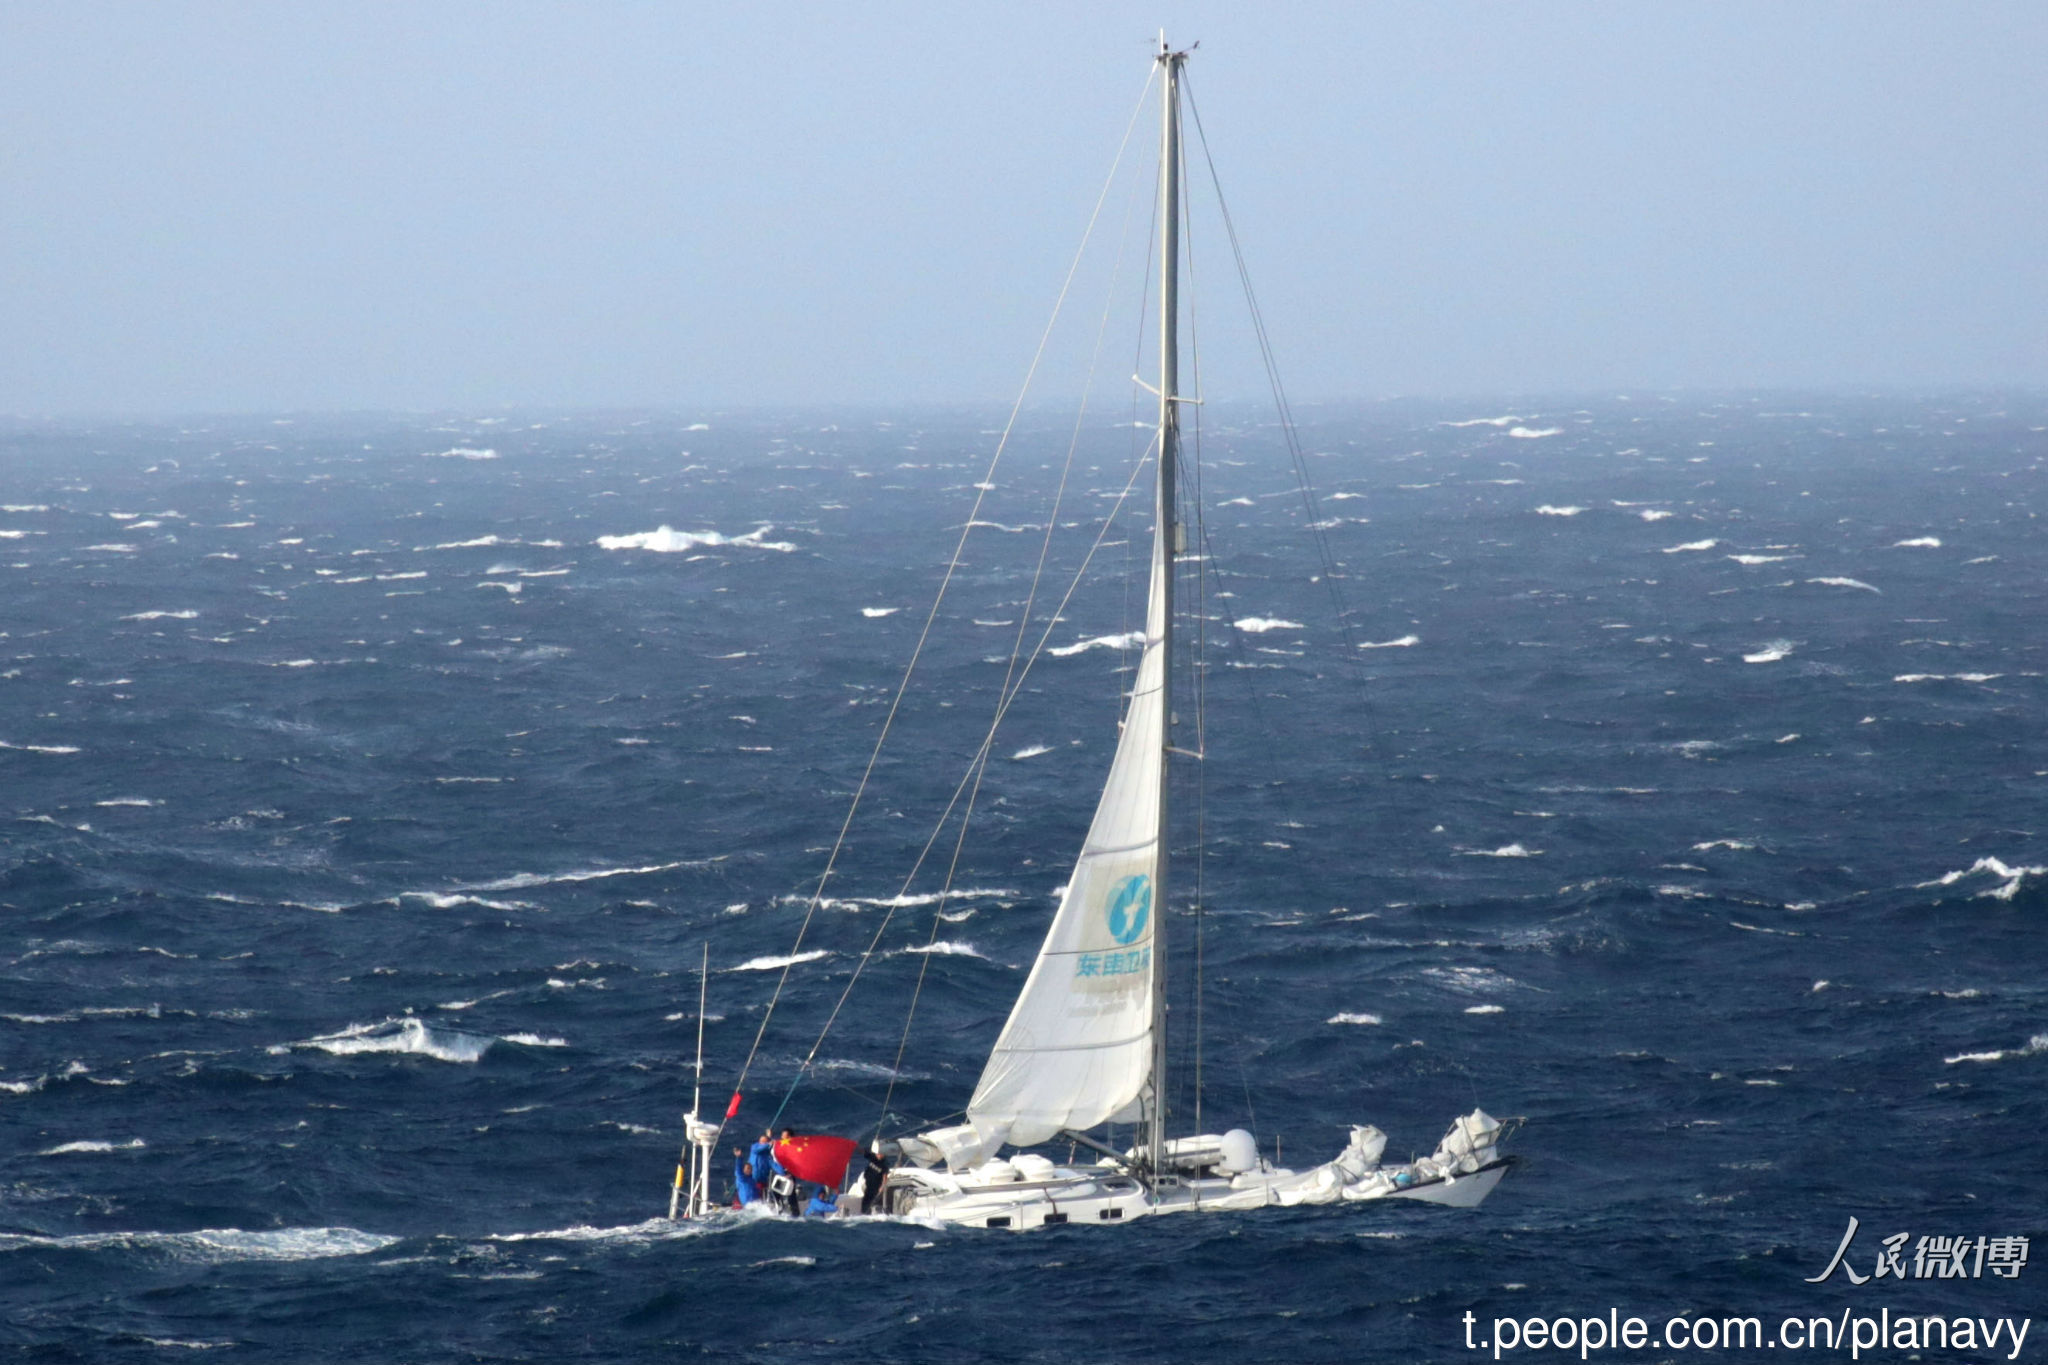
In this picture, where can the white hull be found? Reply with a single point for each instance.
(998, 1194)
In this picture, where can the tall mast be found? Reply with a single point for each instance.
(1166, 531)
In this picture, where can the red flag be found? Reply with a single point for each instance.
(817, 1157)
(734, 1107)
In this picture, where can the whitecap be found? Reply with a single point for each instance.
(40, 748)
(1486, 1009)
(769, 964)
(519, 881)
(72, 1148)
(1654, 514)
(2012, 877)
(873, 613)
(1031, 751)
(1504, 851)
(536, 1040)
(945, 948)
(215, 1245)
(1770, 653)
(407, 1036)
(1690, 545)
(1547, 510)
(2036, 1045)
(1759, 559)
(440, 900)
(1839, 582)
(1918, 543)
(460, 453)
(1259, 625)
(1348, 1018)
(667, 540)
(1130, 640)
(1713, 844)
(1534, 433)
(1405, 642)
(161, 616)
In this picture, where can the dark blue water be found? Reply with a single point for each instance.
(365, 817)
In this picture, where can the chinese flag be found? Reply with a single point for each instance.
(816, 1157)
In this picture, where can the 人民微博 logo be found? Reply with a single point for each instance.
(1130, 907)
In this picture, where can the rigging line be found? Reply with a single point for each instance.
(1107, 522)
(1286, 410)
(1200, 671)
(977, 766)
(952, 566)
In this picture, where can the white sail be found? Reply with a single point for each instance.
(1077, 1049)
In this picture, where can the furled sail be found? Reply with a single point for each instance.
(1078, 1046)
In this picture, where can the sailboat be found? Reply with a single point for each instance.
(1084, 1044)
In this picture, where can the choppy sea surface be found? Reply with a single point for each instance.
(1669, 771)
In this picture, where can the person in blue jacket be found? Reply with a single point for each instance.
(761, 1163)
(823, 1204)
(744, 1187)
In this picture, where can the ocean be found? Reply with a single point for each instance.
(1668, 771)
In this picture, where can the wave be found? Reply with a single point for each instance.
(1918, 543)
(1031, 751)
(161, 616)
(520, 881)
(460, 453)
(1770, 653)
(1128, 640)
(407, 1037)
(2036, 1045)
(873, 613)
(1534, 433)
(1486, 1009)
(1712, 844)
(908, 901)
(2011, 877)
(69, 1148)
(1839, 582)
(949, 949)
(1546, 510)
(769, 964)
(214, 1245)
(446, 901)
(1947, 677)
(1655, 514)
(1259, 625)
(1690, 545)
(1483, 421)
(1505, 851)
(667, 540)
(1760, 559)
(1353, 1019)
(40, 748)
(1403, 643)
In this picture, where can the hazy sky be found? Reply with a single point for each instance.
(209, 206)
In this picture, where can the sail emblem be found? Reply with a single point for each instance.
(1130, 908)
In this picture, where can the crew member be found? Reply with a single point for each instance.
(823, 1204)
(745, 1188)
(871, 1181)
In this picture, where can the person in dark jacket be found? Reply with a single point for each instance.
(871, 1181)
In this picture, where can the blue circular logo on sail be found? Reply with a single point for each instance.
(1129, 908)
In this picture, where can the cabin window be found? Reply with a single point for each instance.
(999, 1222)
(1055, 1218)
